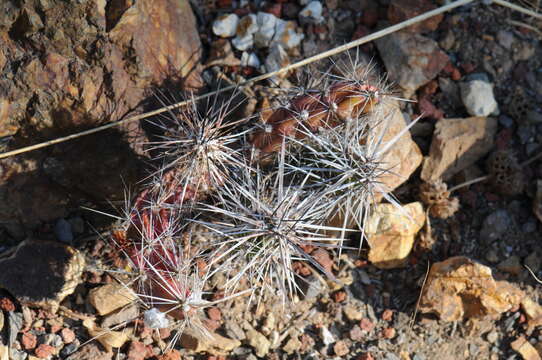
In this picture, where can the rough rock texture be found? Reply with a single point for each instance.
(109, 339)
(460, 288)
(67, 65)
(412, 60)
(478, 98)
(42, 273)
(110, 297)
(401, 10)
(405, 156)
(390, 233)
(525, 349)
(457, 144)
(216, 345)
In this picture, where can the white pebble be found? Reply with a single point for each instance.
(266, 29)
(245, 32)
(250, 59)
(155, 319)
(478, 98)
(312, 12)
(226, 25)
(286, 34)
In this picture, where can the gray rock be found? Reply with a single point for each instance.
(15, 321)
(505, 39)
(63, 231)
(495, 226)
(412, 60)
(478, 98)
(17, 354)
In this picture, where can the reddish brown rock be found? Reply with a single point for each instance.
(67, 335)
(214, 314)
(137, 351)
(457, 144)
(460, 288)
(340, 348)
(388, 333)
(170, 355)
(29, 341)
(401, 10)
(44, 351)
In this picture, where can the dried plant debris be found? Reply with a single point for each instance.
(436, 196)
(505, 174)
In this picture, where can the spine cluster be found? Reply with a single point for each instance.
(255, 223)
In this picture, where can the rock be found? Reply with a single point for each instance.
(495, 226)
(110, 297)
(525, 349)
(277, 59)
(457, 144)
(246, 29)
(460, 288)
(286, 34)
(221, 54)
(312, 13)
(292, 346)
(15, 323)
(43, 351)
(537, 201)
(352, 313)
(29, 341)
(226, 25)
(340, 348)
(511, 265)
(250, 59)
(137, 351)
(411, 60)
(390, 233)
(533, 311)
(266, 29)
(215, 344)
(170, 355)
(155, 319)
(327, 336)
(124, 315)
(401, 10)
(74, 73)
(478, 98)
(108, 338)
(68, 336)
(505, 39)
(91, 352)
(259, 342)
(42, 273)
(63, 231)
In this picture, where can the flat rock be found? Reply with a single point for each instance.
(42, 273)
(460, 288)
(525, 349)
(109, 339)
(110, 297)
(457, 144)
(412, 60)
(214, 344)
(390, 233)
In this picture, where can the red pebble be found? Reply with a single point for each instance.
(44, 351)
(366, 325)
(388, 333)
(214, 314)
(29, 341)
(137, 351)
(6, 304)
(387, 315)
(164, 333)
(67, 335)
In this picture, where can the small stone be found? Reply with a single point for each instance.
(68, 350)
(170, 355)
(214, 313)
(533, 311)
(292, 346)
(124, 315)
(387, 315)
(226, 25)
(6, 304)
(108, 338)
(29, 341)
(68, 336)
(492, 337)
(286, 34)
(456, 145)
(250, 59)
(505, 39)
(15, 323)
(155, 319)
(356, 334)
(401, 10)
(352, 313)
(110, 297)
(366, 325)
(495, 226)
(340, 348)
(312, 13)
(525, 349)
(388, 333)
(277, 59)
(137, 351)
(511, 265)
(327, 336)
(266, 29)
(63, 231)
(478, 98)
(339, 296)
(44, 351)
(259, 342)
(246, 28)
(215, 344)
(90, 352)
(390, 233)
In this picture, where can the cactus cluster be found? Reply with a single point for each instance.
(253, 201)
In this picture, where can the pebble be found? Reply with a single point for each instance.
(68, 350)
(250, 59)
(266, 29)
(53, 339)
(226, 25)
(124, 315)
(110, 297)
(327, 336)
(259, 342)
(15, 321)
(506, 121)
(478, 98)
(17, 354)
(505, 39)
(68, 336)
(340, 348)
(312, 13)
(155, 319)
(492, 337)
(246, 28)
(495, 226)
(286, 34)
(29, 341)
(63, 231)
(44, 351)
(352, 313)
(392, 356)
